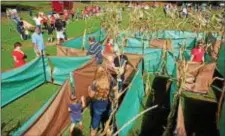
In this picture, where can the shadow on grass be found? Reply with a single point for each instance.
(8, 132)
(154, 121)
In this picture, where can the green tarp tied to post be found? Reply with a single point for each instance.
(131, 103)
(20, 81)
(62, 66)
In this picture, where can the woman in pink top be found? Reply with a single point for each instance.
(197, 54)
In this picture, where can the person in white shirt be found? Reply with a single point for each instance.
(37, 20)
(185, 12)
(166, 9)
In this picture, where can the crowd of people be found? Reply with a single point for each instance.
(138, 5)
(91, 11)
(183, 12)
(52, 23)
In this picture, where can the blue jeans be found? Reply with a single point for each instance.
(98, 107)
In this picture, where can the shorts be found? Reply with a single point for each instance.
(75, 120)
(60, 35)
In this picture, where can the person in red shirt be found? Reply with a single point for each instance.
(18, 55)
(108, 46)
(94, 10)
(197, 54)
(89, 11)
(66, 15)
(85, 13)
(97, 9)
(44, 21)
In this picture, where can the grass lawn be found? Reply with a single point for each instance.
(16, 113)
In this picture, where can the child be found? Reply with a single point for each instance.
(44, 22)
(50, 33)
(64, 29)
(52, 21)
(75, 110)
(66, 15)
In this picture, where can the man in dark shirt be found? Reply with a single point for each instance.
(95, 49)
(21, 30)
(50, 33)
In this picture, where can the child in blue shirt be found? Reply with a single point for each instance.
(75, 110)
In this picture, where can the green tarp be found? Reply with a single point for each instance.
(78, 42)
(221, 60)
(176, 43)
(62, 66)
(152, 58)
(177, 38)
(131, 103)
(20, 81)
